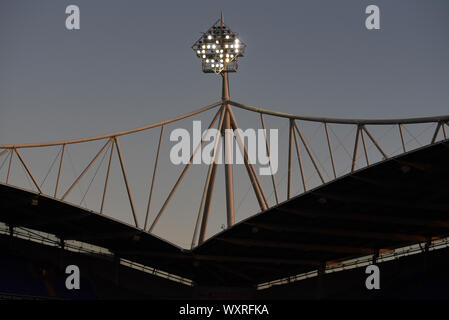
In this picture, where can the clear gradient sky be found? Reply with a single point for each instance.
(131, 64)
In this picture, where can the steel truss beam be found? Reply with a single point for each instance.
(206, 200)
(341, 232)
(125, 178)
(299, 246)
(367, 219)
(183, 173)
(263, 203)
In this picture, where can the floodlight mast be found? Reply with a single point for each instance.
(227, 146)
(219, 49)
(228, 143)
(219, 55)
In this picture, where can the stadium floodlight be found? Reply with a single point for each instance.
(219, 49)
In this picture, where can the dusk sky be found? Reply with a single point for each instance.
(131, 64)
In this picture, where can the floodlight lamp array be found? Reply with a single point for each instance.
(219, 49)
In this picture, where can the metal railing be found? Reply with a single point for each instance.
(361, 262)
(86, 248)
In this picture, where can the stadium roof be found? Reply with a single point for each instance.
(394, 203)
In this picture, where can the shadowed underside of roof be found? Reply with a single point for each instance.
(394, 203)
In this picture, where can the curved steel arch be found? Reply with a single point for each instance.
(340, 120)
(114, 134)
(443, 118)
(297, 140)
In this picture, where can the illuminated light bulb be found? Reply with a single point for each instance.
(218, 48)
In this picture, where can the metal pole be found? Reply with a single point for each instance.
(207, 184)
(330, 150)
(107, 178)
(364, 148)
(28, 171)
(289, 182)
(85, 170)
(251, 172)
(9, 165)
(228, 148)
(210, 189)
(186, 167)
(207, 204)
(273, 179)
(375, 142)
(356, 145)
(402, 137)
(309, 151)
(437, 129)
(59, 170)
(125, 177)
(154, 177)
(298, 154)
(202, 205)
(444, 131)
